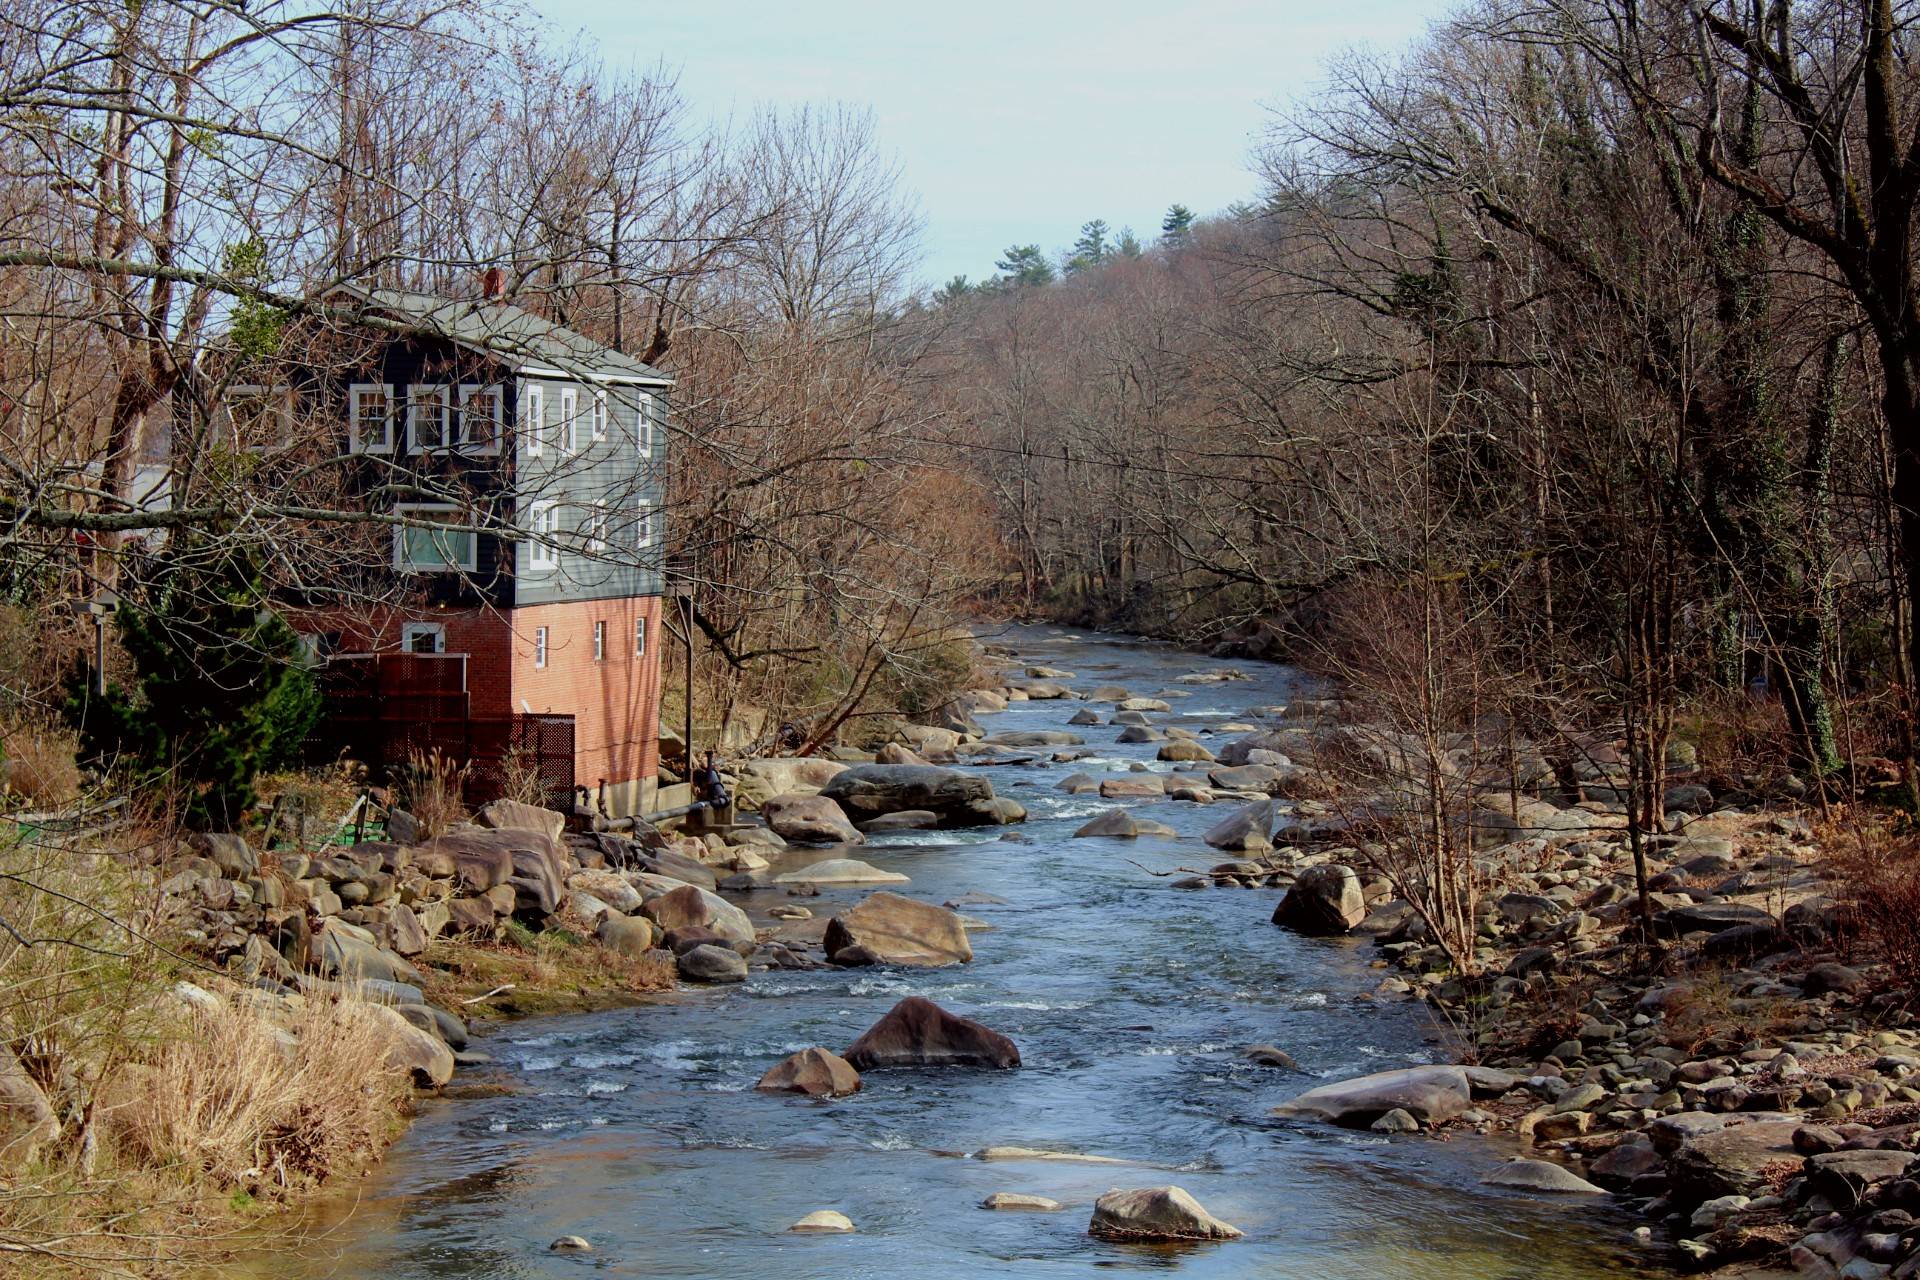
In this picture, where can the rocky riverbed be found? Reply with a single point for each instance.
(1135, 1012)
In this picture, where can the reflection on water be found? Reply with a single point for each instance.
(1130, 1001)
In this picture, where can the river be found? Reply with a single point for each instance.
(1131, 1002)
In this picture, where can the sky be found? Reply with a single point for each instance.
(1015, 122)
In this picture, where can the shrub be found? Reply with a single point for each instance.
(40, 766)
(220, 690)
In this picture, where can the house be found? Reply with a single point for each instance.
(514, 621)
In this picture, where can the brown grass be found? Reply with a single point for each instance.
(39, 767)
(249, 1102)
(432, 789)
(1879, 877)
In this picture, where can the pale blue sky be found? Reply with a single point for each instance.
(1017, 121)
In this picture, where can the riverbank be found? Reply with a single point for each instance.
(1131, 1005)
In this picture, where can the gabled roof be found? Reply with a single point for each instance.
(528, 343)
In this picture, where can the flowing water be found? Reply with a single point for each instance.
(1131, 1002)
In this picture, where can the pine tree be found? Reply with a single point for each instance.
(1091, 249)
(1177, 226)
(1024, 264)
(220, 690)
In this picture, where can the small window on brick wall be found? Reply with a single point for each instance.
(599, 642)
(540, 647)
(639, 637)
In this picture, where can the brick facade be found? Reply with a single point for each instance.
(614, 699)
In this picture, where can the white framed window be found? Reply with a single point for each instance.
(540, 648)
(429, 418)
(599, 642)
(643, 425)
(425, 545)
(600, 415)
(482, 416)
(644, 530)
(545, 523)
(423, 637)
(597, 525)
(533, 422)
(370, 417)
(259, 415)
(639, 637)
(570, 419)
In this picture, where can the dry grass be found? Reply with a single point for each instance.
(547, 972)
(432, 788)
(173, 1123)
(39, 767)
(1879, 873)
(251, 1102)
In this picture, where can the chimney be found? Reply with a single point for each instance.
(493, 284)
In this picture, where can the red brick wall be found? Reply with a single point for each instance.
(615, 701)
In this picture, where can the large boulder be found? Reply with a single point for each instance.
(346, 957)
(809, 820)
(1429, 1094)
(1247, 830)
(1034, 738)
(512, 815)
(890, 929)
(1325, 901)
(761, 780)
(818, 1073)
(1114, 822)
(692, 907)
(421, 1054)
(630, 936)
(1241, 750)
(919, 1033)
(1540, 1175)
(1733, 1160)
(870, 790)
(1156, 1214)
(610, 887)
(709, 963)
(841, 871)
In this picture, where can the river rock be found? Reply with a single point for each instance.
(841, 871)
(1431, 1095)
(812, 819)
(1143, 704)
(691, 906)
(1241, 750)
(1733, 1160)
(1018, 1202)
(1135, 734)
(1148, 785)
(512, 815)
(905, 820)
(823, 1221)
(1085, 716)
(610, 887)
(1155, 1213)
(1117, 823)
(1540, 1175)
(1325, 901)
(344, 956)
(870, 790)
(1245, 830)
(919, 1033)
(899, 930)
(818, 1073)
(421, 1053)
(1034, 738)
(677, 869)
(708, 963)
(570, 1244)
(762, 779)
(896, 753)
(1186, 752)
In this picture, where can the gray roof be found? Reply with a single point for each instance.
(525, 341)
